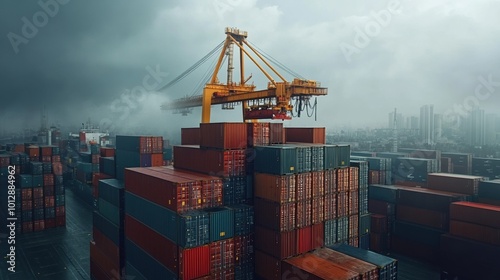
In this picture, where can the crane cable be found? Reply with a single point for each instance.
(192, 68)
(206, 77)
(277, 63)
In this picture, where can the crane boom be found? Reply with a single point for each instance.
(271, 103)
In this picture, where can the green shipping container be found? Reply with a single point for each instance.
(25, 181)
(383, 192)
(277, 159)
(111, 212)
(221, 223)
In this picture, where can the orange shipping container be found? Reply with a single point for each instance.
(157, 160)
(312, 267)
(278, 188)
(315, 135)
(107, 152)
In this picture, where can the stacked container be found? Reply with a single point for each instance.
(486, 167)
(364, 215)
(459, 163)
(137, 151)
(380, 169)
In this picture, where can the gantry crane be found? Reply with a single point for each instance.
(275, 102)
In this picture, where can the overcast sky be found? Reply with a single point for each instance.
(83, 59)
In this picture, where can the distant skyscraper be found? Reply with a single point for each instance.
(438, 126)
(414, 123)
(476, 127)
(490, 129)
(427, 124)
(399, 120)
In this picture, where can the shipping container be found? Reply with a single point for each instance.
(98, 257)
(107, 166)
(112, 191)
(364, 224)
(316, 135)
(412, 169)
(365, 270)
(223, 135)
(267, 267)
(221, 223)
(194, 229)
(304, 240)
(244, 249)
(110, 211)
(454, 183)
(276, 133)
(190, 136)
(145, 264)
(243, 219)
(378, 223)
(304, 213)
(258, 134)
(387, 193)
(424, 217)
(318, 211)
(136, 144)
(330, 206)
(277, 159)
(234, 190)
(222, 163)
(428, 199)
(280, 245)
(342, 204)
(303, 186)
(157, 246)
(278, 188)
(489, 189)
(330, 181)
(279, 217)
(418, 234)
(387, 267)
(113, 252)
(477, 213)
(476, 232)
(318, 235)
(221, 255)
(312, 267)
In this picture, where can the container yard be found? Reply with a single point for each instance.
(257, 192)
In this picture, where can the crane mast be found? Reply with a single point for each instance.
(271, 103)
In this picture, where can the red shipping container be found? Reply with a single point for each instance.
(61, 221)
(50, 223)
(95, 159)
(374, 177)
(476, 232)
(280, 245)
(379, 242)
(342, 179)
(27, 227)
(342, 204)
(33, 152)
(378, 223)
(312, 267)
(107, 246)
(477, 213)
(19, 148)
(353, 202)
(303, 185)
(223, 135)
(98, 273)
(227, 274)
(26, 205)
(194, 262)
(424, 217)
(159, 247)
(60, 211)
(221, 255)
(318, 187)
(211, 187)
(318, 211)
(27, 194)
(57, 168)
(222, 163)
(98, 176)
(38, 192)
(258, 134)
(190, 136)
(49, 201)
(102, 260)
(276, 133)
(278, 188)
(166, 190)
(48, 179)
(304, 240)
(411, 184)
(157, 145)
(330, 181)
(454, 183)
(56, 158)
(39, 225)
(279, 217)
(365, 270)
(353, 226)
(304, 213)
(315, 135)
(46, 158)
(48, 190)
(243, 249)
(381, 207)
(354, 179)
(318, 235)
(157, 160)
(330, 205)
(107, 152)
(267, 267)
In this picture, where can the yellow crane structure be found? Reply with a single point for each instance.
(275, 102)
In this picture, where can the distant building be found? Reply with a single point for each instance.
(438, 127)
(476, 128)
(427, 124)
(490, 129)
(401, 124)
